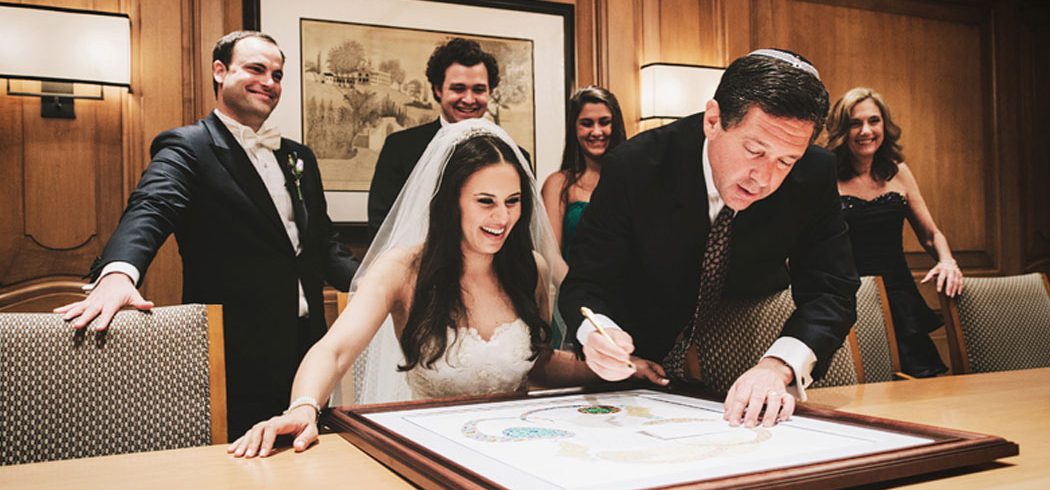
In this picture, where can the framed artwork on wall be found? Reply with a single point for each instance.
(355, 72)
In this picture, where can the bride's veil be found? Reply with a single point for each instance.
(374, 376)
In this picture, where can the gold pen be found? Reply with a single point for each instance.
(587, 313)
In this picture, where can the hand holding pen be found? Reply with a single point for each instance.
(607, 352)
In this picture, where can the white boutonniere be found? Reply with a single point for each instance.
(295, 165)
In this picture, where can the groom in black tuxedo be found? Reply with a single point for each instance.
(735, 202)
(250, 218)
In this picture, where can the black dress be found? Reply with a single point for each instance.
(876, 230)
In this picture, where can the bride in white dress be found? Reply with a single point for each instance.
(455, 291)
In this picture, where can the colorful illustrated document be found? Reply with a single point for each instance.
(626, 439)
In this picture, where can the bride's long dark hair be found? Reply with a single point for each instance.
(437, 303)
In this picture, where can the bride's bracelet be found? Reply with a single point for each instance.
(306, 401)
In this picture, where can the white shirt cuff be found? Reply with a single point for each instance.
(586, 329)
(800, 358)
(122, 267)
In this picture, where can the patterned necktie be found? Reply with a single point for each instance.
(712, 278)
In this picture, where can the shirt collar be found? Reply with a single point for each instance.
(712, 189)
(714, 199)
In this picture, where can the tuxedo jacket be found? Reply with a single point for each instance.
(401, 151)
(639, 246)
(201, 186)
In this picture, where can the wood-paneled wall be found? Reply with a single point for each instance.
(930, 71)
(963, 80)
(65, 182)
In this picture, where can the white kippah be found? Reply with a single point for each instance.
(795, 61)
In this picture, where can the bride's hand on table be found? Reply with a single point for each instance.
(259, 440)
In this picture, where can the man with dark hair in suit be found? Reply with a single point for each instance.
(250, 218)
(462, 77)
(734, 201)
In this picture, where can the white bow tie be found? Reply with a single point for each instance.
(267, 137)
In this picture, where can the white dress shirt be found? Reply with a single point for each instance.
(795, 353)
(265, 162)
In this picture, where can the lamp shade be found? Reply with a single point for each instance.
(62, 45)
(674, 91)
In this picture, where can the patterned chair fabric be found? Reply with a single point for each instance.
(740, 331)
(874, 329)
(141, 385)
(1003, 324)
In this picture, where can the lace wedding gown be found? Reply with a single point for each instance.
(475, 366)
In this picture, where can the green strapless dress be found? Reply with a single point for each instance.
(573, 213)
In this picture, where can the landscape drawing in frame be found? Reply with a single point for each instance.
(363, 64)
(362, 82)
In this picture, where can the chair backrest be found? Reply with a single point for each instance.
(740, 331)
(874, 329)
(153, 380)
(999, 324)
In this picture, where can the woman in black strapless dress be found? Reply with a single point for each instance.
(878, 192)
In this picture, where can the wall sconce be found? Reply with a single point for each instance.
(672, 91)
(49, 52)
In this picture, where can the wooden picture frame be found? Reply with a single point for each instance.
(539, 78)
(423, 467)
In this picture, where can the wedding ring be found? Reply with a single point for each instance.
(774, 393)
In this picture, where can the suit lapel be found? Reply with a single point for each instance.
(432, 129)
(689, 184)
(235, 160)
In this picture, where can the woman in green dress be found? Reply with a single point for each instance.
(593, 127)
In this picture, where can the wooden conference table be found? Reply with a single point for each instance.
(1014, 405)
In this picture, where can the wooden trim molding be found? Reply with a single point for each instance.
(341, 300)
(972, 13)
(217, 374)
(887, 319)
(858, 361)
(41, 296)
(953, 331)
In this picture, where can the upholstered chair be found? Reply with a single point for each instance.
(740, 331)
(999, 324)
(151, 381)
(875, 336)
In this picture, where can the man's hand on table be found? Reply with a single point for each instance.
(763, 385)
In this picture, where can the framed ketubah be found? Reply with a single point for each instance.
(355, 72)
(644, 439)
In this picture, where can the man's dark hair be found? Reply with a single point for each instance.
(777, 87)
(223, 50)
(464, 52)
